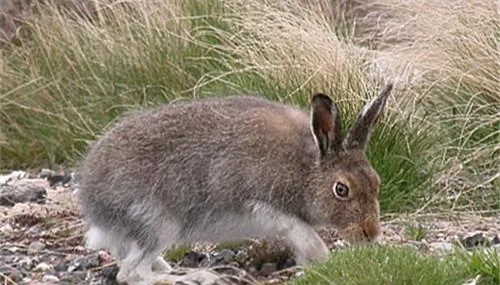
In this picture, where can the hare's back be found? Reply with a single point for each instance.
(192, 140)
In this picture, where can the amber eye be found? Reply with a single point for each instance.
(340, 190)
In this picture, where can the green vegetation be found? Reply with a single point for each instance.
(176, 253)
(68, 76)
(403, 265)
(416, 231)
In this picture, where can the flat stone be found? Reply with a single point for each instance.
(50, 279)
(14, 175)
(36, 246)
(45, 173)
(192, 259)
(26, 263)
(443, 246)
(43, 267)
(223, 257)
(476, 240)
(22, 193)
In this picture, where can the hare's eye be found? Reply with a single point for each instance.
(340, 190)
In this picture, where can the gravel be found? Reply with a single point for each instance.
(42, 243)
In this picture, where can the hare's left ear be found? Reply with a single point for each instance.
(359, 135)
(326, 125)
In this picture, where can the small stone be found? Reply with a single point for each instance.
(223, 257)
(45, 173)
(14, 175)
(36, 246)
(50, 279)
(58, 179)
(12, 273)
(43, 267)
(443, 246)
(299, 273)
(6, 229)
(192, 259)
(339, 243)
(268, 268)
(496, 240)
(476, 240)
(26, 263)
(84, 263)
(79, 249)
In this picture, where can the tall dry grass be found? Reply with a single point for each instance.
(73, 73)
(451, 51)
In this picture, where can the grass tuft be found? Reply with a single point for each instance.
(400, 265)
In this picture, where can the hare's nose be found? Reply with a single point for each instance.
(371, 231)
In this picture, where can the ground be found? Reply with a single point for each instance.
(41, 237)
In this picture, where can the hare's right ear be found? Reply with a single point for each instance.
(360, 133)
(326, 125)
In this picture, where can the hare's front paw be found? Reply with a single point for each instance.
(312, 251)
(309, 247)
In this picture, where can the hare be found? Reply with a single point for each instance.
(220, 169)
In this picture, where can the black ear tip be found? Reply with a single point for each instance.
(388, 88)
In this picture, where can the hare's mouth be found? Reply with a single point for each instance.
(361, 233)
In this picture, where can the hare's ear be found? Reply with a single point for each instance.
(325, 124)
(360, 133)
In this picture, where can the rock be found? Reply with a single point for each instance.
(36, 246)
(46, 173)
(193, 259)
(496, 240)
(340, 243)
(476, 240)
(443, 246)
(58, 178)
(12, 273)
(224, 257)
(75, 278)
(21, 193)
(15, 175)
(43, 267)
(104, 257)
(26, 263)
(50, 279)
(299, 273)
(79, 249)
(61, 267)
(85, 263)
(6, 229)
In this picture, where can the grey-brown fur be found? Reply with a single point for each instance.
(226, 168)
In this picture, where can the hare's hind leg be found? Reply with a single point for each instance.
(143, 260)
(98, 238)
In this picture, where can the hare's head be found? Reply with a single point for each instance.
(345, 185)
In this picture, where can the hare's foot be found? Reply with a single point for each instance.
(139, 264)
(192, 277)
(160, 265)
